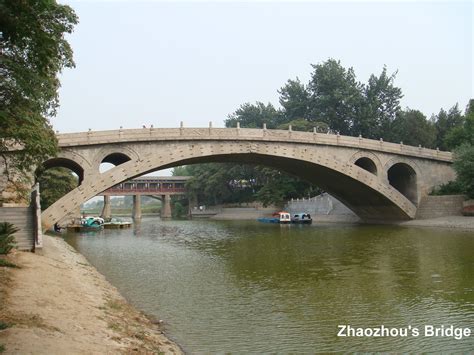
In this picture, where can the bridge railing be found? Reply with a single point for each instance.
(147, 190)
(245, 134)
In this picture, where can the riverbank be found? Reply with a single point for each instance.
(57, 303)
(449, 222)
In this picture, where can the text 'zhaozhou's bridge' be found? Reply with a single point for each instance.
(377, 180)
(161, 187)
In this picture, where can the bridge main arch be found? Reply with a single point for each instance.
(358, 188)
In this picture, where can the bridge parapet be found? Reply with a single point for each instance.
(246, 134)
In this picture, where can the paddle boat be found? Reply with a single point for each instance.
(87, 224)
(301, 218)
(281, 217)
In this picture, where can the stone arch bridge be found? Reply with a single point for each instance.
(378, 180)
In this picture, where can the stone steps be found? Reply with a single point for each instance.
(440, 206)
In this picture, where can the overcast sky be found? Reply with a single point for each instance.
(160, 63)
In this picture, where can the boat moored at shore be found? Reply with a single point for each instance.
(301, 218)
(281, 217)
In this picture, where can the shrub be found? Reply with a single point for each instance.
(7, 240)
(6, 263)
(450, 188)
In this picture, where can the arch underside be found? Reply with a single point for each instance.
(357, 188)
(365, 202)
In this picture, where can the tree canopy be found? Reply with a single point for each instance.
(54, 184)
(33, 52)
(333, 101)
(412, 128)
(464, 166)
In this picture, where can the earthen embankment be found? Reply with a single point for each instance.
(57, 303)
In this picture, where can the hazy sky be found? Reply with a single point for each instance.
(160, 63)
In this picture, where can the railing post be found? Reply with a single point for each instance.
(181, 128)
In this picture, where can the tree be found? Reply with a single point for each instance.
(254, 116)
(33, 52)
(464, 133)
(412, 128)
(445, 122)
(381, 104)
(54, 184)
(336, 96)
(464, 166)
(278, 187)
(294, 98)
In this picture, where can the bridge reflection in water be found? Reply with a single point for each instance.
(160, 187)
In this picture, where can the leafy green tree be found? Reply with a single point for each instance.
(254, 116)
(445, 122)
(412, 128)
(54, 184)
(336, 95)
(295, 100)
(180, 171)
(462, 133)
(179, 207)
(464, 166)
(381, 104)
(278, 187)
(33, 53)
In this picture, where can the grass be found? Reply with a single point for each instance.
(114, 326)
(6, 263)
(2, 348)
(115, 305)
(4, 325)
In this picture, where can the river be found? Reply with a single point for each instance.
(242, 286)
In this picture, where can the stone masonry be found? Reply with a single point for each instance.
(375, 179)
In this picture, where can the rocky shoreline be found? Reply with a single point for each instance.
(57, 303)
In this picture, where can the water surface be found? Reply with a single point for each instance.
(250, 287)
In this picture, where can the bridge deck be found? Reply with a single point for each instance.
(245, 134)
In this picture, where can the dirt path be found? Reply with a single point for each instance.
(58, 303)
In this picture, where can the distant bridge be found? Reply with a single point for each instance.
(377, 180)
(157, 186)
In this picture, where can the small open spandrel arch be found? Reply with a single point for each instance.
(367, 164)
(403, 178)
(112, 160)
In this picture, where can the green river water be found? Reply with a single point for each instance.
(246, 287)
